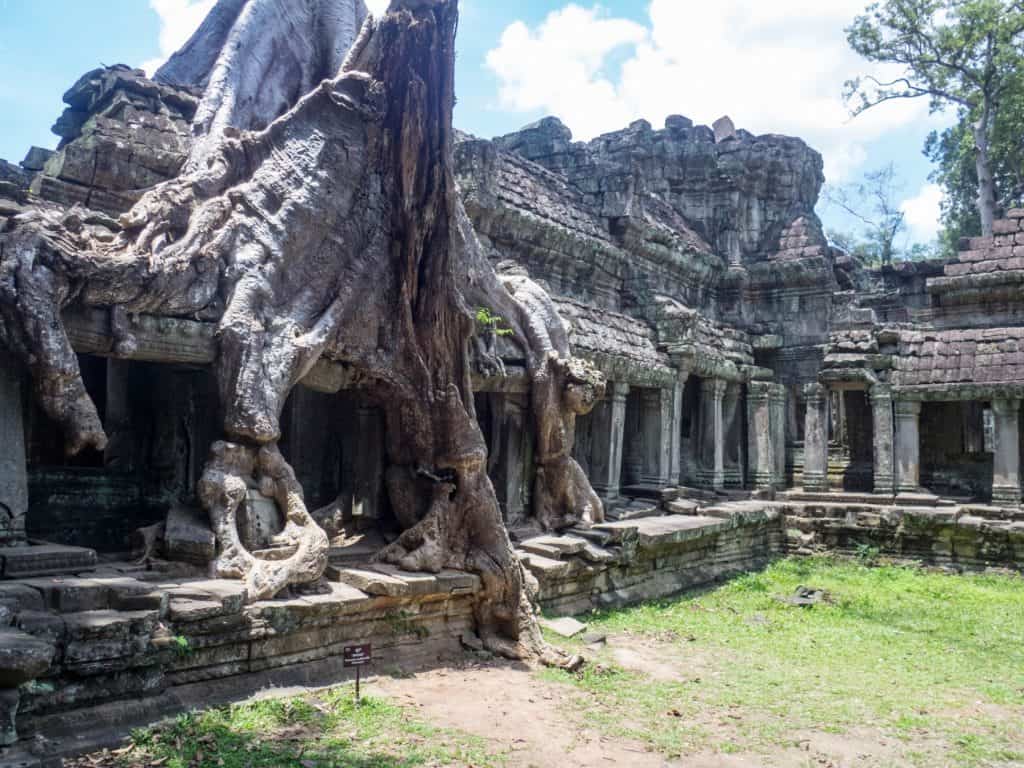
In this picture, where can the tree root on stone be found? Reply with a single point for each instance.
(223, 488)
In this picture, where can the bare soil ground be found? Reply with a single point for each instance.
(527, 720)
(533, 723)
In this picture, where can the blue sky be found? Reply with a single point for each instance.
(773, 67)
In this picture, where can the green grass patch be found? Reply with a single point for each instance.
(323, 731)
(934, 661)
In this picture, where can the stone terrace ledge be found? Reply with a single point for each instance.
(95, 654)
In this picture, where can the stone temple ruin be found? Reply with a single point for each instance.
(289, 363)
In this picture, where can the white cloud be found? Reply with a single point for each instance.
(922, 213)
(774, 67)
(378, 7)
(558, 67)
(179, 19)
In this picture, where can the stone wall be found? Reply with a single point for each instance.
(627, 562)
(94, 655)
(963, 537)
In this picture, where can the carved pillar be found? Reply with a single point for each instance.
(656, 424)
(816, 439)
(609, 431)
(712, 434)
(632, 439)
(760, 443)
(13, 473)
(1006, 462)
(675, 468)
(777, 406)
(732, 427)
(884, 436)
(908, 446)
(517, 457)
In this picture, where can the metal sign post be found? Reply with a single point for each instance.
(357, 656)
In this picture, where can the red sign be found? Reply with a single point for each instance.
(357, 655)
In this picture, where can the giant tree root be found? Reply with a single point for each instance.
(223, 490)
(335, 232)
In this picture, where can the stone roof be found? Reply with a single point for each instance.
(973, 356)
(624, 347)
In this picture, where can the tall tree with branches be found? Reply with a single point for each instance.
(873, 201)
(961, 53)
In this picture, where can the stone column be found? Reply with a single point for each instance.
(656, 423)
(13, 472)
(777, 405)
(881, 408)
(511, 459)
(1006, 462)
(675, 467)
(119, 454)
(713, 433)
(816, 439)
(609, 431)
(908, 446)
(760, 445)
(732, 430)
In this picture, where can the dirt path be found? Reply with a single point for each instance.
(517, 713)
(531, 720)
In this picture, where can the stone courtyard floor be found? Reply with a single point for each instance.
(891, 666)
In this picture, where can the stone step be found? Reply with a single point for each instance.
(650, 491)
(682, 507)
(698, 494)
(23, 657)
(387, 581)
(634, 511)
(42, 559)
(544, 567)
(593, 535)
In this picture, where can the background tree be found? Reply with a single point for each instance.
(962, 53)
(952, 150)
(873, 202)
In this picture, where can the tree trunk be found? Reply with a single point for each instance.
(982, 130)
(336, 232)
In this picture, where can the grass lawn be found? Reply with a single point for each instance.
(932, 662)
(321, 731)
(898, 667)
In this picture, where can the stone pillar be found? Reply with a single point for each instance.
(675, 465)
(1006, 462)
(656, 424)
(632, 439)
(13, 472)
(712, 433)
(881, 408)
(816, 439)
(760, 443)
(777, 405)
(119, 454)
(732, 429)
(609, 430)
(511, 459)
(908, 446)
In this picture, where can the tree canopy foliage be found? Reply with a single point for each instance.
(967, 55)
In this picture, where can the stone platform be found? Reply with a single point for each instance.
(968, 537)
(630, 561)
(83, 658)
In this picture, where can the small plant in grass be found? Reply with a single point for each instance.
(867, 554)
